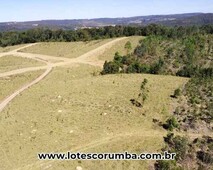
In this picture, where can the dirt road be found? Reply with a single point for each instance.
(88, 58)
(6, 101)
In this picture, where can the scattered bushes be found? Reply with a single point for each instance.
(184, 57)
(189, 155)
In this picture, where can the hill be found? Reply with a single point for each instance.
(168, 20)
(69, 106)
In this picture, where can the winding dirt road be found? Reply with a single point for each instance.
(90, 58)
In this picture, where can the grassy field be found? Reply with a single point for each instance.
(64, 49)
(71, 109)
(10, 84)
(10, 48)
(8, 63)
(119, 47)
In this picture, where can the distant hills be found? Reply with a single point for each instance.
(168, 20)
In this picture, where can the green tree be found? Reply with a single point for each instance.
(110, 68)
(128, 47)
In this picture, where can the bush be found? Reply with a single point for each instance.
(205, 157)
(110, 68)
(180, 146)
(165, 165)
(177, 93)
(171, 124)
(156, 67)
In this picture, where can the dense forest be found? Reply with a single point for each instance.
(46, 35)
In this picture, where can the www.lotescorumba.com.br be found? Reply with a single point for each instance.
(106, 156)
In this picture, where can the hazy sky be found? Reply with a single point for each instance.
(25, 10)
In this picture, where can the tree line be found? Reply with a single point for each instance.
(48, 35)
(185, 56)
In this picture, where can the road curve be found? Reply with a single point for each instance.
(5, 102)
(87, 58)
(90, 58)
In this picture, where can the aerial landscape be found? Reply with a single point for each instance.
(92, 85)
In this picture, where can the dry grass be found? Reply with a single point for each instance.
(64, 49)
(10, 84)
(8, 63)
(71, 108)
(10, 48)
(119, 47)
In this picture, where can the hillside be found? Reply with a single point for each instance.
(168, 20)
(97, 120)
(62, 103)
(188, 55)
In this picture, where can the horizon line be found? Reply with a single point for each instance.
(36, 20)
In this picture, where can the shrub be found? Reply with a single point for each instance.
(110, 68)
(205, 157)
(156, 67)
(171, 124)
(177, 93)
(180, 146)
(165, 165)
(128, 47)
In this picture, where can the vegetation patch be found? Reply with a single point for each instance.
(8, 63)
(80, 111)
(190, 154)
(65, 49)
(12, 83)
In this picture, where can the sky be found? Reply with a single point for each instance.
(28, 10)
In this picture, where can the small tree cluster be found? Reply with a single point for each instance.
(142, 96)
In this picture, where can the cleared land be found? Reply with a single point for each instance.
(71, 110)
(64, 49)
(74, 109)
(10, 48)
(10, 84)
(119, 47)
(8, 63)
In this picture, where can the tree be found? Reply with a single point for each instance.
(128, 47)
(110, 68)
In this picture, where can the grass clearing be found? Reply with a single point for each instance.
(119, 47)
(10, 84)
(71, 108)
(11, 48)
(8, 63)
(65, 49)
